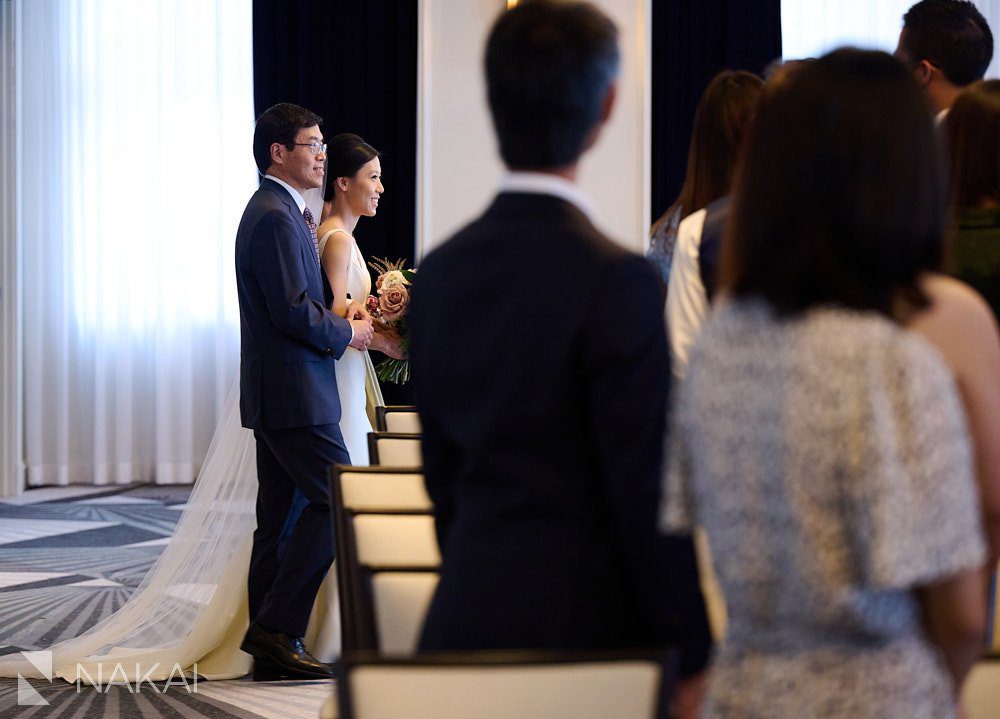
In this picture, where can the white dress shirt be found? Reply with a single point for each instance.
(542, 183)
(291, 191)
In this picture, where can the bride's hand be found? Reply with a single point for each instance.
(356, 311)
(387, 341)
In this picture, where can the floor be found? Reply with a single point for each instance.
(70, 556)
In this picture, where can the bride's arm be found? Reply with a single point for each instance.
(336, 259)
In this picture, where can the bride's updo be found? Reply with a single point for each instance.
(345, 155)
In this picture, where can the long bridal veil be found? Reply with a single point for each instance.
(191, 606)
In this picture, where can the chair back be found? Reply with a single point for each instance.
(401, 600)
(396, 541)
(387, 559)
(527, 685)
(400, 418)
(380, 489)
(391, 449)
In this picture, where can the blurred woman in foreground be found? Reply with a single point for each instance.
(820, 440)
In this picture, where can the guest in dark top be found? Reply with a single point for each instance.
(723, 113)
(973, 133)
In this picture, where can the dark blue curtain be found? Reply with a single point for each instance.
(355, 63)
(692, 40)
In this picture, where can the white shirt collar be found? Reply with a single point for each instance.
(939, 118)
(299, 200)
(542, 183)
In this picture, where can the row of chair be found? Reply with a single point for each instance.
(388, 563)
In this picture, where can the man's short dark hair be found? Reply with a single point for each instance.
(952, 35)
(549, 66)
(837, 201)
(279, 123)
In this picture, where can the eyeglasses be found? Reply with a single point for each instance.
(315, 148)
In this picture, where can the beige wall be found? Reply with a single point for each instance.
(457, 163)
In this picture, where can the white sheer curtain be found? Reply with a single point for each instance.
(810, 28)
(136, 126)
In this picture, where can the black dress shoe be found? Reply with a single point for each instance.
(288, 654)
(265, 670)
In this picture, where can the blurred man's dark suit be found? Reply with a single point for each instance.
(541, 375)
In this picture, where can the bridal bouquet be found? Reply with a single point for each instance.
(388, 308)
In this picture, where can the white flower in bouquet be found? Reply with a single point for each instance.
(392, 278)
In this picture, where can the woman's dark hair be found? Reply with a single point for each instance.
(724, 113)
(279, 123)
(973, 131)
(840, 195)
(345, 155)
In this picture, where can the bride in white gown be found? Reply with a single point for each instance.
(191, 608)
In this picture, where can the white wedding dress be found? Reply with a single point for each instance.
(192, 605)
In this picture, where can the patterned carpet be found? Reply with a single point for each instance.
(54, 583)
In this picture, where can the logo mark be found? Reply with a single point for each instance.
(26, 694)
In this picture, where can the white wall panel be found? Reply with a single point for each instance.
(457, 162)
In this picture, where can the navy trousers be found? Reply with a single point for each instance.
(288, 563)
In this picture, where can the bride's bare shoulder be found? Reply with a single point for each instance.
(333, 232)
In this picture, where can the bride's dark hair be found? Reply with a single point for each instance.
(345, 155)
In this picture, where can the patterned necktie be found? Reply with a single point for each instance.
(311, 224)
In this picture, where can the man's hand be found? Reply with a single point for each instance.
(356, 311)
(363, 332)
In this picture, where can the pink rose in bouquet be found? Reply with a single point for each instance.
(393, 301)
(388, 307)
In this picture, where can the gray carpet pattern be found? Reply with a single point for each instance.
(54, 584)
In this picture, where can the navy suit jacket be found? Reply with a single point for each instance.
(290, 341)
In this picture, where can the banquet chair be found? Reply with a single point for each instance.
(387, 559)
(495, 685)
(394, 449)
(400, 599)
(399, 418)
(382, 489)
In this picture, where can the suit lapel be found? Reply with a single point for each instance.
(300, 222)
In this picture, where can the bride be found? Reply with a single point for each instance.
(191, 608)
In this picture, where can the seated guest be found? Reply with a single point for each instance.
(724, 111)
(972, 130)
(543, 438)
(820, 442)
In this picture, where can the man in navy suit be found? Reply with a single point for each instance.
(543, 424)
(290, 342)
